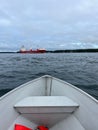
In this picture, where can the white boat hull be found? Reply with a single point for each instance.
(84, 116)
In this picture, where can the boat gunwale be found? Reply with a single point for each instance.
(19, 87)
(78, 89)
(48, 76)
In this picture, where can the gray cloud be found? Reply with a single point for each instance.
(51, 23)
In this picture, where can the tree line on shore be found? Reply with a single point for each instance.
(73, 51)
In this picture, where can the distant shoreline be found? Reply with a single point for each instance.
(74, 51)
(66, 51)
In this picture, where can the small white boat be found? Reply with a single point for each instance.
(50, 102)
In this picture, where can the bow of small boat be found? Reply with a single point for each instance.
(50, 102)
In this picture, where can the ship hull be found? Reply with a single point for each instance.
(32, 51)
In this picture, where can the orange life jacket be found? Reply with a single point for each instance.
(21, 127)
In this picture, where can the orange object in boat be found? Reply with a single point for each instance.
(21, 127)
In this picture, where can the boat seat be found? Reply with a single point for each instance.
(46, 104)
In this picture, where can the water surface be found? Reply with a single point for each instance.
(80, 69)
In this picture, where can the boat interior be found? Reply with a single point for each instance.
(50, 102)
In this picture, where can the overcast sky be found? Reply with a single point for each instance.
(66, 24)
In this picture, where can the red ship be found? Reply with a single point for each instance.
(23, 50)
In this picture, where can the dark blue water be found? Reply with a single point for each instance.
(80, 69)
